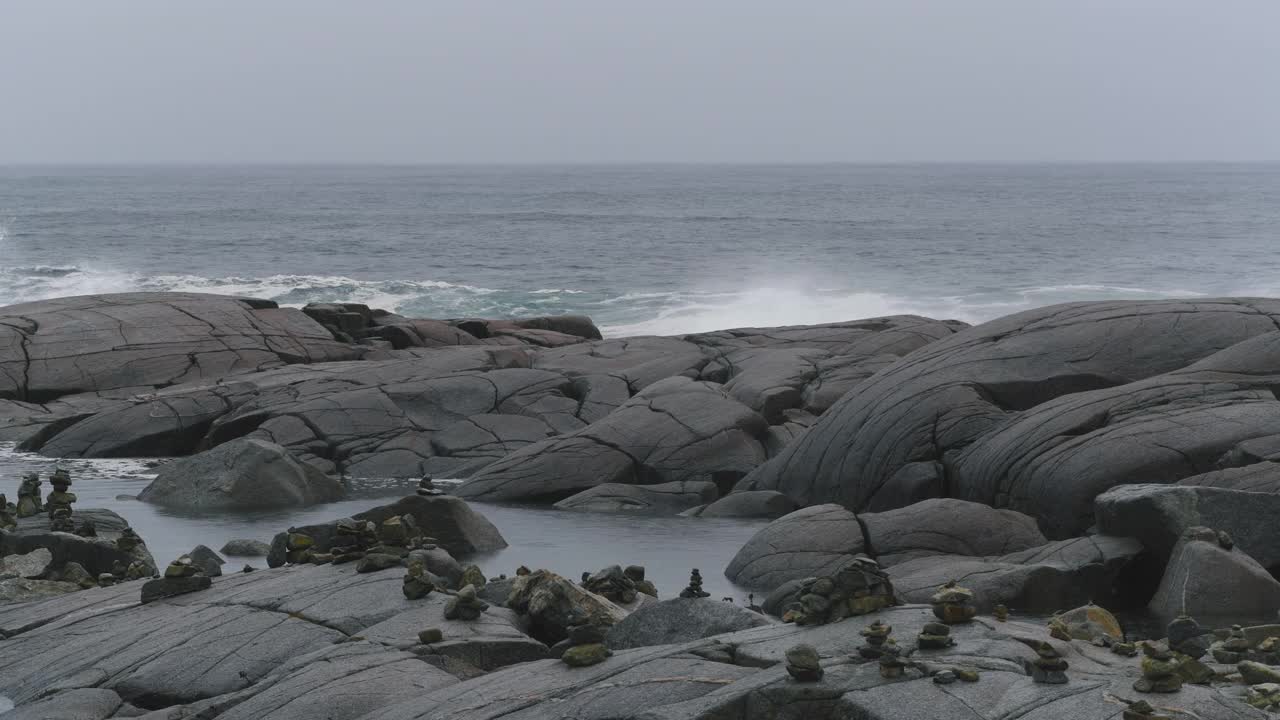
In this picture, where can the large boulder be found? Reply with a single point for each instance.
(889, 441)
(242, 474)
(1215, 583)
(1053, 460)
(1045, 579)
(1158, 515)
(662, 499)
(94, 343)
(821, 539)
(946, 526)
(450, 520)
(813, 541)
(95, 554)
(680, 620)
(674, 430)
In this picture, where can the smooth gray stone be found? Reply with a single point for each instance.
(661, 499)
(1214, 585)
(750, 504)
(79, 704)
(813, 541)
(244, 474)
(246, 548)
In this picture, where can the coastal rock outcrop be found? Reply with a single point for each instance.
(243, 474)
(662, 499)
(674, 430)
(1214, 582)
(680, 620)
(890, 441)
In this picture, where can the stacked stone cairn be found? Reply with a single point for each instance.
(1233, 649)
(876, 634)
(60, 499)
(892, 666)
(953, 604)
(935, 636)
(1187, 637)
(1001, 613)
(350, 540)
(1048, 667)
(802, 663)
(417, 584)
(1159, 671)
(180, 577)
(1140, 710)
(614, 585)
(472, 575)
(859, 588)
(465, 605)
(695, 586)
(586, 642)
(427, 488)
(29, 503)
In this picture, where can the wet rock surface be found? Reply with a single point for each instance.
(242, 474)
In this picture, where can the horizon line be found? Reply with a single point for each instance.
(615, 163)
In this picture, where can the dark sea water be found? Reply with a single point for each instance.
(643, 249)
(649, 249)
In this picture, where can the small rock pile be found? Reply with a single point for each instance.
(417, 584)
(1159, 671)
(465, 605)
(29, 502)
(59, 502)
(935, 636)
(695, 586)
(892, 666)
(1141, 710)
(953, 604)
(876, 634)
(428, 488)
(1265, 696)
(586, 644)
(1233, 649)
(1048, 667)
(802, 663)
(180, 577)
(636, 573)
(858, 589)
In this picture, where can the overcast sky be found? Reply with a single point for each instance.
(649, 80)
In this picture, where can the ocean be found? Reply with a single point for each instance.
(643, 250)
(659, 249)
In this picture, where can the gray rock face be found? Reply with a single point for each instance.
(1216, 585)
(242, 474)
(80, 704)
(1044, 579)
(819, 540)
(661, 499)
(95, 343)
(22, 590)
(680, 620)
(207, 560)
(674, 430)
(1158, 515)
(749, 504)
(552, 604)
(28, 565)
(890, 441)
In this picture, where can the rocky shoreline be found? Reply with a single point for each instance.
(937, 490)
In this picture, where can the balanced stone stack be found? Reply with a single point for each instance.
(128, 540)
(935, 636)
(465, 605)
(876, 635)
(29, 503)
(180, 577)
(802, 663)
(586, 645)
(1001, 613)
(472, 575)
(695, 586)
(350, 540)
(1159, 671)
(953, 604)
(1187, 637)
(858, 589)
(428, 488)
(613, 584)
(1233, 649)
(892, 666)
(417, 584)
(1048, 667)
(60, 498)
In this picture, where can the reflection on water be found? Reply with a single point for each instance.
(565, 542)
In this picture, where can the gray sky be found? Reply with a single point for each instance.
(652, 80)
